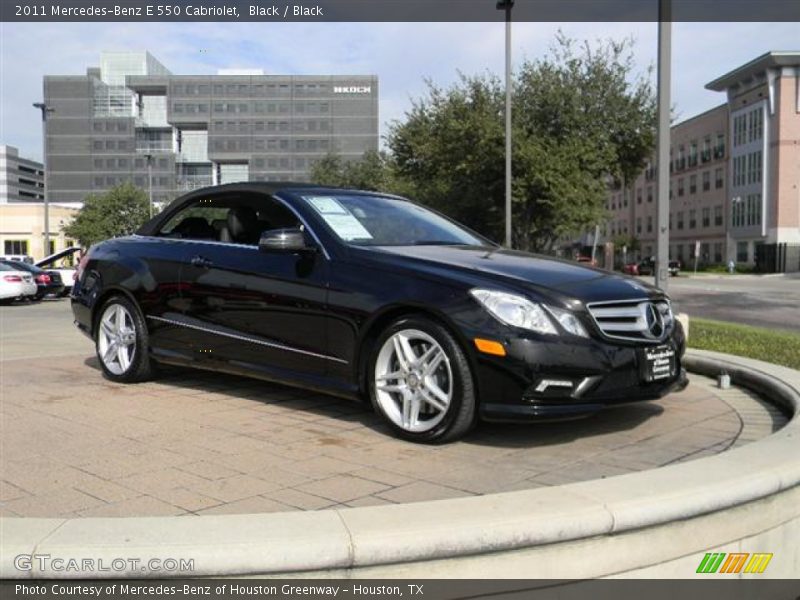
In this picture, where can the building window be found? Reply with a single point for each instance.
(679, 217)
(754, 167)
(706, 217)
(692, 218)
(639, 196)
(718, 252)
(693, 153)
(719, 150)
(680, 186)
(693, 184)
(753, 215)
(639, 225)
(718, 216)
(718, 178)
(742, 254)
(706, 180)
(16, 247)
(650, 194)
(650, 224)
(737, 213)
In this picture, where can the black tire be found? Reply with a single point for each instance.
(460, 416)
(141, 368)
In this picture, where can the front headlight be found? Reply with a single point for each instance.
(568, 321)
(514, 310)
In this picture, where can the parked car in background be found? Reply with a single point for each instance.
(15, 284)
(366, 295)
(55, 262)
(47, 282)
(647, 267)
(17, 257)
(587, 260)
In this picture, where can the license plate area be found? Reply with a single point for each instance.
(657, 363)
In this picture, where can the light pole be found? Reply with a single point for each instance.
(664, 83)
(46, 192)
(149, 158)
(507, 5)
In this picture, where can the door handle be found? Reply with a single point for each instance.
(201, 261)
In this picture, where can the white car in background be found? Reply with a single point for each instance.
(15, 285)
(51, 263)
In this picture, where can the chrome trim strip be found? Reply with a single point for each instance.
(193, 241)
(246, 338)
(547, 383)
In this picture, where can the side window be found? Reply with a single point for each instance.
(232, 219)
(199, 221)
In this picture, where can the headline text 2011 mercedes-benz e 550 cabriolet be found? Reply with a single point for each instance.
(365, 295)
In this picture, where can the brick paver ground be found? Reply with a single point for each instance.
(75, 444)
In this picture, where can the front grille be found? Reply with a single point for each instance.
(633, 320)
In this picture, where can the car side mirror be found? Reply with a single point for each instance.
(284, 241)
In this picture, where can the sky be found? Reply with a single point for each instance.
(403, 55)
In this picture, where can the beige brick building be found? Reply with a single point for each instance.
(734, 177)
(764, 104)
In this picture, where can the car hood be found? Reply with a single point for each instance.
(523, 269)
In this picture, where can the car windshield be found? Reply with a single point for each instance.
(365, 220)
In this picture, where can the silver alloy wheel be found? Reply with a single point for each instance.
(116, 340)
(413, 380)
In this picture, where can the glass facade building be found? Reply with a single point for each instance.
(194, 131)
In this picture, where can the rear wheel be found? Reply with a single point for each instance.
(420, 382)
(121, 342)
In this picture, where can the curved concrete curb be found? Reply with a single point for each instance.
(628, 523)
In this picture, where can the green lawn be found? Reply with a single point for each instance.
(779, 347)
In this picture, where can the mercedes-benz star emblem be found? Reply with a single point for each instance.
(654, 321)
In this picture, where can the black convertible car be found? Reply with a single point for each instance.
(366, 295)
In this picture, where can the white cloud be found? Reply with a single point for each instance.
(401, 54)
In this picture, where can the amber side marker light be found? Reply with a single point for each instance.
(490, 347)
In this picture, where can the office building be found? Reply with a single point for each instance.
(131, 119)
(21, 179)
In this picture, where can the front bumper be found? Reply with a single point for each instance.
(544, 377)
(538, 410)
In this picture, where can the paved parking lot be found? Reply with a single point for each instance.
(75, 444)
(763, 301)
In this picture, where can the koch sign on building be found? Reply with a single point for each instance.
(352, 89)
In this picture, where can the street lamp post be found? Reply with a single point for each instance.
(664, 83)
(507, 5)
(149, 158)
(46, 191)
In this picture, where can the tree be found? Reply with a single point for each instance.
(580, 119)
(450, 151)
(120, 211)
(373, 171)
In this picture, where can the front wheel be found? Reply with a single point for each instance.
(121, 342)
(421, 383)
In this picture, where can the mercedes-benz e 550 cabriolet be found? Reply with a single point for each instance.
(366, 295)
